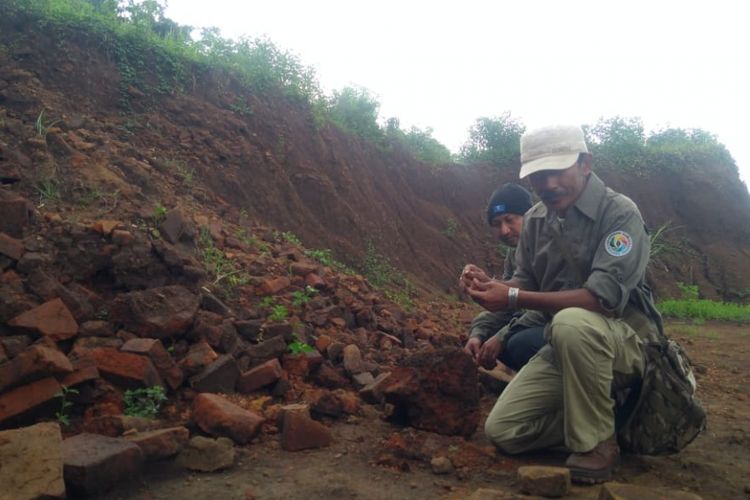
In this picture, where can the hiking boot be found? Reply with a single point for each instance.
(595, 466)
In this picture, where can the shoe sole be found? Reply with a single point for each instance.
(588, 476)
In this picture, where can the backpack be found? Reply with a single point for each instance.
(664, 415)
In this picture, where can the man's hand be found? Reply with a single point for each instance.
(489, 352)
(472, 347)
(471, 272)
(492, 295)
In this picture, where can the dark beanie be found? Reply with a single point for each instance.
(508, 199)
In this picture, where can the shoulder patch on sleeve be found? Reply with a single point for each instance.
(618, 244)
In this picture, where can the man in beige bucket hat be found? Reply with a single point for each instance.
(580, 265)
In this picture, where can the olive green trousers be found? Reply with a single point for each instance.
(563, 396)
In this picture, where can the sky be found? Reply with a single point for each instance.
(443, 64)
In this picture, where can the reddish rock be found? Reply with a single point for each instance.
(154, 349)
(106, 227)
(281, 329)
(126, 369)
(35, 362)
(332, 403)
(96, 328)
(15, 216)
(353, 363)
(11, 247)
(28, 400)
(315, 281)
(84, 370)
(94, 463)
(272, 348)
(296, 365)
(32, 465)
(122, 238)
(116, 424)
(544, 481)
(52, 319)
(436, 391)
(218, 417)
(322, 343)
(330, 377)
(156, 313)
(199, 356)
(219, 376)
(272, 286)
(373, 392)
(260, 376)
(300, 432)
(303, 268)
(160, 443)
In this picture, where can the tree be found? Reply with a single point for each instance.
(495, 140)
(619, 142)
(355, 110)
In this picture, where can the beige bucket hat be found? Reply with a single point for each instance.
(551, 148)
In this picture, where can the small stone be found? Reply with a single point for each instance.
(217, 416)
(11, 247)
(51, 319)
(126, 369)
(219, 376)
(362, 379)
(353, 360)
(260, 376)
(544, 481)
(207, 455)
(621, 491)
(94, 463)
(441, 465)
(160, 443)
(299, 431)
(272, 286)
(27, 400)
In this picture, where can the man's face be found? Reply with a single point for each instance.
(559, 189)
(508, 228)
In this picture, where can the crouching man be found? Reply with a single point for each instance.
(581, 259)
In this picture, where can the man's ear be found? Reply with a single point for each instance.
(586, 161)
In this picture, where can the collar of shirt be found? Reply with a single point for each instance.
(588, 203)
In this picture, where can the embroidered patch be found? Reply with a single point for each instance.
(498, 209)
(618, 244)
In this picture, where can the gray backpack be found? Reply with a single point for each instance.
(665, 415)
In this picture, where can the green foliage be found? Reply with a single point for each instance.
(355, 110)
(278, 313)
(325, 257)
(144, 402)
(62, 415)
(297, 347)
(495, 140)
(617, 142)
(160, 212)
(659, 244)
(704, 310)
(451, 226)
(49, 191)
(419, 142)
(381, 274)
(223, 269)
(302, 297)
(291, 238)
(42, 126)
(267, 302)
(689, 292)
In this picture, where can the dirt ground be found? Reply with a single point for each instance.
(716, 465)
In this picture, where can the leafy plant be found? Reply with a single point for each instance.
(302, 297)
(494, 139)
(267, 302)
(160, 212)
(278, 313)
(291, 238)
(689, 292)
(297, 347)
(42, 126)
(219, 265)
(659, 244)
(144, 402)
(62, 415)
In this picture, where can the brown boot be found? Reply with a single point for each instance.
(595, 466)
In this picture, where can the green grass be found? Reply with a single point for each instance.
(704, 310)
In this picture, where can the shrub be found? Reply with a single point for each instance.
(144, 402)
(495, 140)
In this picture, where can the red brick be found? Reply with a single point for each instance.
(94, 463)
(218, 417)
(260, 376)
(27, 399)
(35, 362)
(154, 349)
(11, 247)
(52, 319)
(160, 443)
(300, 432)
(126, 369)
(273, 286)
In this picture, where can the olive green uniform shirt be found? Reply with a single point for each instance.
(488, 323)
(602, 245)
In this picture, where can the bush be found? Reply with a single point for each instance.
(495, 140)
(355, 110)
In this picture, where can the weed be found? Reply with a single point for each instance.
(297, 347)
(689, 292)
(42, 126)
(222, 268)
(241, 108)
(659, 245)
(705, 310)
(450, 228)
(62, 415)
(144, 402)
(278, 313)
(160, 212)
(291, 238)
(49, 191)
(267, 302)
(302, 297)
(89, 196)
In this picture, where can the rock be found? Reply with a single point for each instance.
(544, 481)
(362, 379)
(211, 302)
(126, 369)
(207, 455)
(198, 357)
(315, 281)
(11, 247)
(122, 238)
(299, 431)
(48, 288)
(436, 391)
(173, 226)
(272, 286)
(118, 425)
(160, 443)
(353, 363)
(620, 491)
(106, 227)
(303, 268)
(156, 313)
(373, 392)
(296, 365)
(249, 329)
(84, 370)
(272, 348)
(218, 417)
(330, 377)
(28, 400)
(35, 362)
(52, 319)
(441, 465)
(154, 349)
(260, 376)
(493, 494)
(96, 328)
(219, 376)
(15, 216)
(32, 464)
(280, 329)
(94, 463)
(15, 344)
